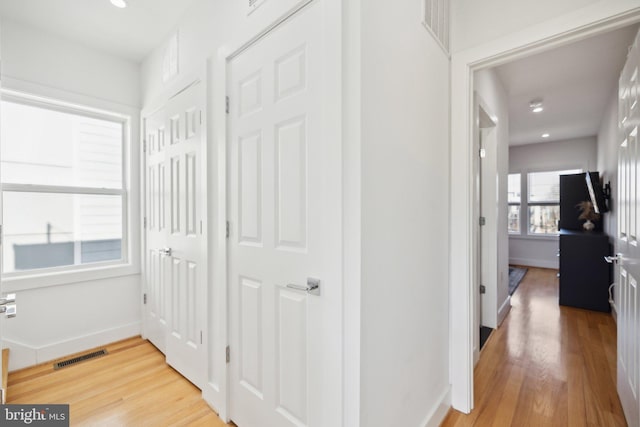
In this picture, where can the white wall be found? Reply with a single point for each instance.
(405, 116)
(496, 259)
(32, 56)
(476, 22)
(581, 153)
(76, 313)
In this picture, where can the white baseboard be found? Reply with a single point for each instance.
(504, 309)
(440, 410)
(529, 262)
(23, 355)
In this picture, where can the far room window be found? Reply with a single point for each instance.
(63, 186)
(543, 200)
(513, 198)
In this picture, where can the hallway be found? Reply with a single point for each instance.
(546, 365)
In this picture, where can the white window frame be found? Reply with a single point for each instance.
(519, 204)
(524, 201)
(37, 278)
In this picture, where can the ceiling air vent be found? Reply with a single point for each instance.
(436, 20)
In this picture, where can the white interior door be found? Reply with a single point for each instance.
(628, 268)
(155, 325)
(284, 213)
(477, 213)
(175, 274)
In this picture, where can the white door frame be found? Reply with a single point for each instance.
(591, 20)
(216, 391)
(480, 258)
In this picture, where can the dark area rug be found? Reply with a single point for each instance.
(515, 277)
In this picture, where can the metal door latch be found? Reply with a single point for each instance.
(165, 251)
(613, 259)
(313, 286)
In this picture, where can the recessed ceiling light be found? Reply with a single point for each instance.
(536, 105)
(119, 3)
(545, 135)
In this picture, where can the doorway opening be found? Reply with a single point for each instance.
(463, 197)
(485, 167)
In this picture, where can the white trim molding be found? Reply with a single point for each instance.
(24, 355)
(440, 409)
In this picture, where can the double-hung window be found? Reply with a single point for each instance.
(534, 202)
(64, 199)
(543, 201)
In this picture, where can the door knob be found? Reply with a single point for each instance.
(613, 259)
(165, 251)
(313, 286)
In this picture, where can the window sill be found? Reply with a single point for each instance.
(44, 280)
(547, 237)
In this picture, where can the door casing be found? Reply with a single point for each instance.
(484, 136)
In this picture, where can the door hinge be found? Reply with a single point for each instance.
(144, 298)
(226, 103)
(200, 337)
(144, 222)
(483, 289)
(228, 354)
(483, 221)
(228, 229)
(483, 153)
(144, 145)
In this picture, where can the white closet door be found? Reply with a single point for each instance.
(285, 341)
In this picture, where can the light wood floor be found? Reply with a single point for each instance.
(546, 365)
(131, 386)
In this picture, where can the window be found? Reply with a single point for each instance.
(513, 198)
(543, 201)
(63, 186)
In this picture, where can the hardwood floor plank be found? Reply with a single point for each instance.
(131, 386)
(546, 365)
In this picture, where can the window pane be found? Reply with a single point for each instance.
(44, 230)
(47, 147)
(545, 186)
(513, 188)
(514, 219)
(544, 219)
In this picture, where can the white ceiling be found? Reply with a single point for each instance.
(576, 83)
(129, 33)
